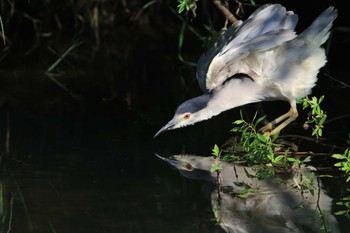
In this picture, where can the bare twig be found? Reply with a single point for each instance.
(336, 118)
(2, 33)
(35, 23)
(224, 9)
(344, 84)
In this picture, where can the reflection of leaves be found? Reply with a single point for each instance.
(216, 166)
(249, 174)
(216, 210)
(244, 193)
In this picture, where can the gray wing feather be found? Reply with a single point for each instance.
(270, 18)
(259, 43)
(205, 60)
(269, 22)
(318, 31)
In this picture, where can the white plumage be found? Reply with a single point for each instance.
(260, 59)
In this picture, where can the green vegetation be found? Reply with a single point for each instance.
(316, 117)
(186, 5)
(97, 49)
(344, 166)
(216, 166)
(253, 147)
(345, 203)
(256, 147)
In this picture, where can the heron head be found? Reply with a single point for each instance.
(187, 113)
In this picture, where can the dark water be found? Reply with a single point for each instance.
(98, 173)
(84, 176)
(85, 162)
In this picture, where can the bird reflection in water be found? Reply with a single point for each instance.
(244, 203)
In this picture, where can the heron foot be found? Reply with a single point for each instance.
(266, 129)
(267, 134)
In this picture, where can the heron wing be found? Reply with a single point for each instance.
(268, 27)
(318, 32)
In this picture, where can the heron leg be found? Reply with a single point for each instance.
(286, 119)
(268, 126)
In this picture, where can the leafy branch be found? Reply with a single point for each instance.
(186, 5)
(256, 146)
(316, 116)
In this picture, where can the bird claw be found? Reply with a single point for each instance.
(266, 129)
(267, 134)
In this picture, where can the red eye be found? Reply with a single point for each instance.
(188, 166)
(186, 116)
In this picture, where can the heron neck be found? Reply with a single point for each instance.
(234, 93)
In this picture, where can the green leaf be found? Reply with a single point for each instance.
(275, 136)
(182, 5)
(307, 159)
(279, 158)
(319, 132)
(262, 137)
(305, 105)
(236, 129)
(271, 157)
(347, 152)
(338, 156)
(340, 164)
(323, 120)
(215, 150)
(340, 212)
(320, 99)
(238, 122)
(293, 160)
(259, 120)
(315, 131)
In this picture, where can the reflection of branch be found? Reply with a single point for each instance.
(325, 223)
(35, 23)
(11, 212)
(227, 13)
(219, 184)
(2, 32)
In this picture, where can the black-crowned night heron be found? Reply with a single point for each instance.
(279, 204)
(260, 59)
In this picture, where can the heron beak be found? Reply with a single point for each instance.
(170, 125)
(169, 160)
